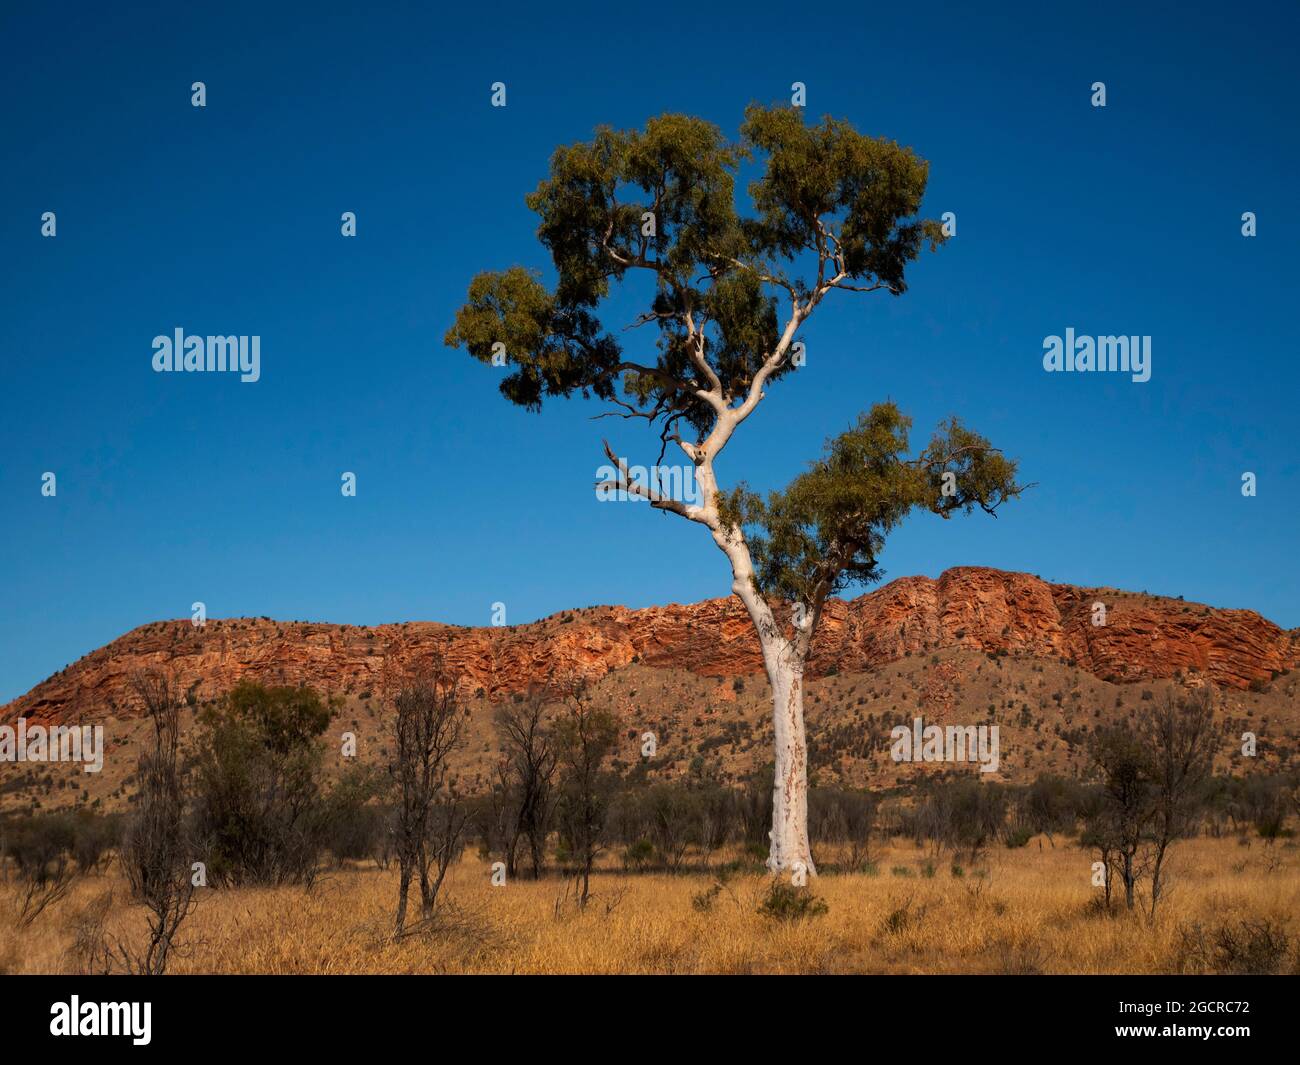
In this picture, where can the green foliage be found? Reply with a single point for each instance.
(353, 820)
(257, 769)
(282, 719)
(824, 191)
(830, 170)
(825, 530)
(41, 844)
(585, 739)
(638, 855)
(556, 350)
(785, 902)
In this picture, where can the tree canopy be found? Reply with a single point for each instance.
(832, 208)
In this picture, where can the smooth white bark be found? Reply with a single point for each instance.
(783, 657)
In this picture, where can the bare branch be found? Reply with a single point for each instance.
(626, 484)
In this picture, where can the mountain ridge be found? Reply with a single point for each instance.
(1142, 637)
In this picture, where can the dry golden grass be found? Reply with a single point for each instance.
(1029, 910)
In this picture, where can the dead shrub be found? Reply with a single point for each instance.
(1246, 947)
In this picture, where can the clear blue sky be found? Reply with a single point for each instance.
(176, 488)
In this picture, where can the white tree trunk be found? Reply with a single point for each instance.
(783, 657)
(790, 851)
(784, 661)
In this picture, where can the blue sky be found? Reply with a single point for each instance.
(174, 488)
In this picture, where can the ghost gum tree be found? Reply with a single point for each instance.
(833, 211)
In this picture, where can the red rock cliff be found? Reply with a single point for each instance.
(1144, 637)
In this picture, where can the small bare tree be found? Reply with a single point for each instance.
(1123, 818)
(1153, 787)
(157, 851)
(586, 735)
(848, 818)
(715, 816)
(1181, 739)
(671, 823)
(429, 819)
(527, 769)
(447, 822)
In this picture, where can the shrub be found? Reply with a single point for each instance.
(257, 777)
(785, 902)
(41, 848)
(354, 826)
(93, 838)
(899, 918)
(704, 900)
(1249, 947)
(639, 855)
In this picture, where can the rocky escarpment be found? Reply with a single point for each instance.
(1143, 637)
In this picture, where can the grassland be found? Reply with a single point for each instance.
(1028, 910)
